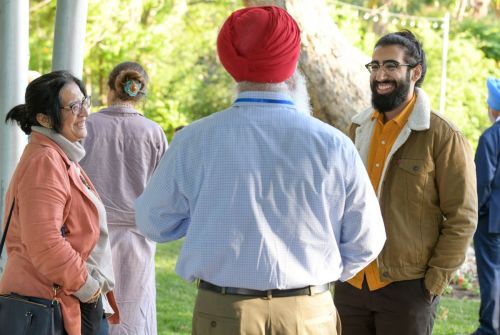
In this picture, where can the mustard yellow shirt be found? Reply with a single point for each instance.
(384, 136)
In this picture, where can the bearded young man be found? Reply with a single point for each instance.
(273, 203)
(422, 169)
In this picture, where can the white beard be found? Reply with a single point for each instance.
(298, 91)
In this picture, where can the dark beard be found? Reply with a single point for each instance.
(388, 102)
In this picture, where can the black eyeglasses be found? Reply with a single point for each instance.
(389, 66)
(77, 107)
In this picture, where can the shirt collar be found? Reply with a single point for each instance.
(119, 109)
(264, 98)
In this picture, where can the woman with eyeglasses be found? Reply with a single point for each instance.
(123, 149)
(57, 241)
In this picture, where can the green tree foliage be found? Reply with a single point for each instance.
(174, 40)
(41, 34)
(486, 33)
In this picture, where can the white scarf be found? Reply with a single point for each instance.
(74, 150)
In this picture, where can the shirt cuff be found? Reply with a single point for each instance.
(87, 290)
(436, 282)
(108, 310)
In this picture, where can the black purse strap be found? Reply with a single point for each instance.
(6, 227)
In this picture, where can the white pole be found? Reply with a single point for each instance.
(69, 36)
(446, 32)
(14, 62)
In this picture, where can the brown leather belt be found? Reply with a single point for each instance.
(308, 290)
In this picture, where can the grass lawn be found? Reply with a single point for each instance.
(175, 301)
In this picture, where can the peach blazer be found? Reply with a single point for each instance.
(49, 194)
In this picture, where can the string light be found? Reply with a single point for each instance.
(377, 15)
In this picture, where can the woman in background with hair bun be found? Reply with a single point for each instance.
(123, 149)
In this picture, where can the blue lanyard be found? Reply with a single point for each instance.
(269, 101)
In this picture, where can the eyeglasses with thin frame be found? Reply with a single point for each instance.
(77, 107)
(389, 66)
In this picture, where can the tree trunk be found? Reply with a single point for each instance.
(460, 8)
(480, 8)
(337, 81)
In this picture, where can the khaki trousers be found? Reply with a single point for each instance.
(218, 314)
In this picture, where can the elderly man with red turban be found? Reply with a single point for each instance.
(274, 204)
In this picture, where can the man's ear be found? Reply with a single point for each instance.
(416, 73)
(44, 120)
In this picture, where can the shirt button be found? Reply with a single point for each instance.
(213, 324)
(377, 165)
(383, 142)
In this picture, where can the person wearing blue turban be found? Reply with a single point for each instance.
(487, 236)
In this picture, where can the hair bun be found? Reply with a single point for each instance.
(20, 115)
(129, 84)
(132, 87)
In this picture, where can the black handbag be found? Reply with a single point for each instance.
(22, 315)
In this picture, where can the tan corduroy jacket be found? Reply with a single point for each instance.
(427, 196)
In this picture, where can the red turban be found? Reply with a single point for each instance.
(259, 44)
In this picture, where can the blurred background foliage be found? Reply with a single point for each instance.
(175, 40)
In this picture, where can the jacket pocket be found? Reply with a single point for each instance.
(415, 167)
(415, 174)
